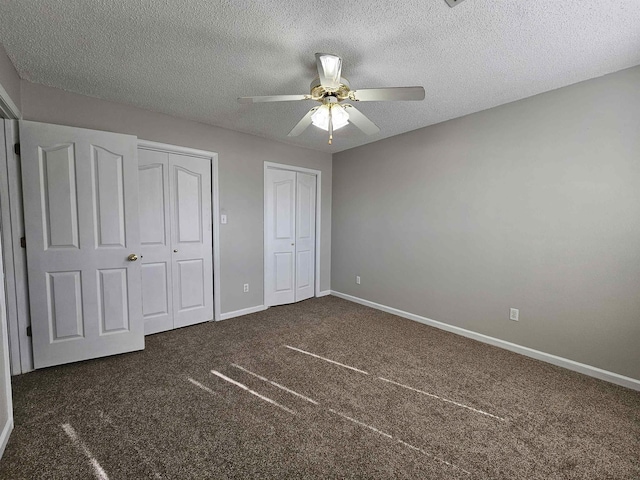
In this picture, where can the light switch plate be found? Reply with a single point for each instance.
(453, 3)
(223, 219)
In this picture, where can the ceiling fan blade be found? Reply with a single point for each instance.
(273, 98)
(302, 124)
(391, 93)
(329, 70)
(359, 120)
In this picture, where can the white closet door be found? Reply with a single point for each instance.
(280, 234)
(81, 221)
(192, 247)
(305, 236)
(155, 241)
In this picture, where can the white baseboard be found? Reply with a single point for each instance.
(324, 293)
(529, 352)
(4, 436)
(244, 311)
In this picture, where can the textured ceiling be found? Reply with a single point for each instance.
(193, 58)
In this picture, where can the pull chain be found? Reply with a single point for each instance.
(330, 126)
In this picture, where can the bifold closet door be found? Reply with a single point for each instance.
(80, 192)
(155, 241)
(305, 235)
(176, 234)
(191, 239)
(290, 206)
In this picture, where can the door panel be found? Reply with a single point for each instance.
(188, 205)
(112, 300)
(284, 209)
(191, 284)
(280, 225)
(80, 192)
(191, 239)
(59, 197)
(108, 200)
(155, 239)
(305, 236)
(153, 205)
(284, 267)
(64, 305)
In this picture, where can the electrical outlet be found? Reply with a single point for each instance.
(358, 279)
(246, 287)
(514, 314)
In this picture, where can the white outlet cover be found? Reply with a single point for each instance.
(514, 314)
(223, 219)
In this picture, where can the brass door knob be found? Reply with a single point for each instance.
(132, 258)
(175, 251)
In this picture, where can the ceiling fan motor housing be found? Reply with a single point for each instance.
(319, 92)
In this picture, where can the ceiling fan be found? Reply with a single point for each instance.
(331, 90)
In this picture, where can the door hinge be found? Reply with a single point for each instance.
(16, 149)
(29, 331)
(23, 242)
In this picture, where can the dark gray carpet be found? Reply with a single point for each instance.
(139, 416)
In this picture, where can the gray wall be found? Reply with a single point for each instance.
(241, 158)
(533, 205)
(9, 78)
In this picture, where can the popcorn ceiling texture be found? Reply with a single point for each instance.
(193, 58)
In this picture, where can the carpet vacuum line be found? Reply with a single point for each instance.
(437, 397)
(277, 385)
(244, 387)
(98, 471)
(346, 417)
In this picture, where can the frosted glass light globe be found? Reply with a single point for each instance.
(339, 117)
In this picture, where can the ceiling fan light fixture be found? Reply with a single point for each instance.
(339, 117)
(332, 66)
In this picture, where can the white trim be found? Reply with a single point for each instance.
(8, 109)
(318, 174)
(7, 253)
(244, 311)
(4, 436)
(589, 370)
(215, 210)
(215, 198)
(324, 293)
(15, 257)
(166, 147)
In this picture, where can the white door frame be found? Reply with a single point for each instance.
(8, 109)
(215, 208)
(17, 307)
(11, 215)
(318, 174)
